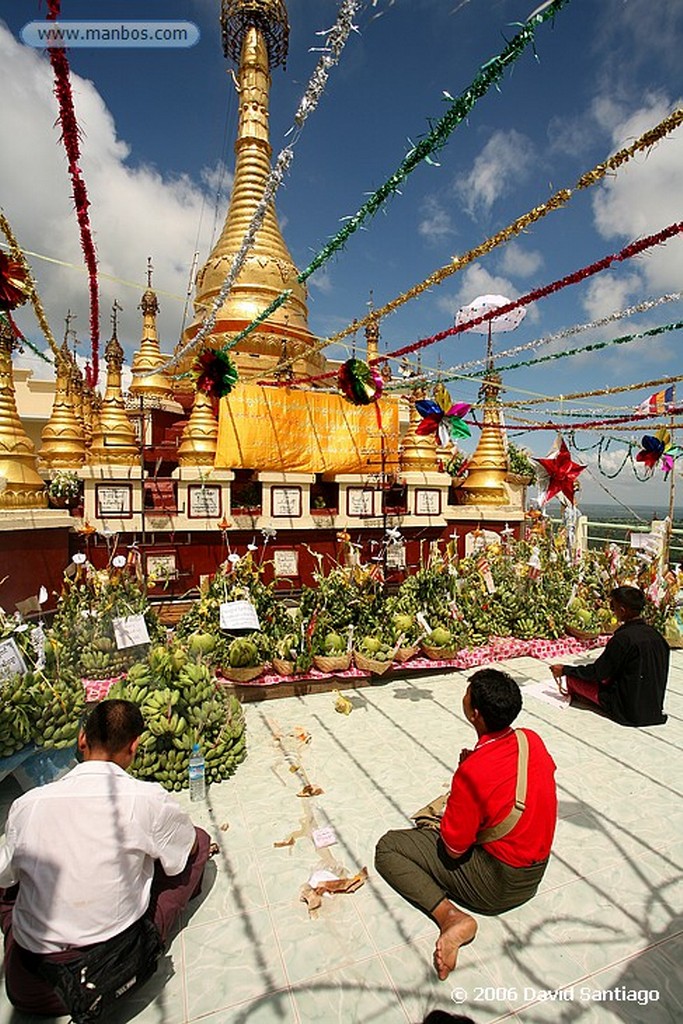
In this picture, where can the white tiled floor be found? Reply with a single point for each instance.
(606, 922)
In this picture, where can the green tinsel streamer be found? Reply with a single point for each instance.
(21, 340)
(595, 347)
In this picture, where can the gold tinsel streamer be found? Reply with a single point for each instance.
(593, 394)
(33, 294)
(556, 201)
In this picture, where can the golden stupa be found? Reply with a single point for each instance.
(114, 441)
(200, 436)
(255, 36)
(485, 483)
(63, 436)
(20, 484)
(155, 384)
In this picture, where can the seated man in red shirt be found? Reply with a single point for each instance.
(492, 846)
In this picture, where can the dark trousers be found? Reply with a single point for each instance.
(170, 895)
(417, 865)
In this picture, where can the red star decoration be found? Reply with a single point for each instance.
(562, 474)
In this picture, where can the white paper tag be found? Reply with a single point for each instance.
(238, 615)
(422, 619)
(325, 836)
(11, 660)
(130, 631)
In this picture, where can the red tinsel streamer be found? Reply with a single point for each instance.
(550, 425)
(70, 138)
(539, 293)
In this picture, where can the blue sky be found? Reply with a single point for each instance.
(158, 130)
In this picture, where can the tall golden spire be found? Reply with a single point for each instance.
(20, 484)
(485, 483)
(114, 440)
(148, 358)
(255, 33)
(63, 437)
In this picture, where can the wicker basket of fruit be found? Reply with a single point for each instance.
(373, 655)
(244, 661)
(334, 656)
(439, 645)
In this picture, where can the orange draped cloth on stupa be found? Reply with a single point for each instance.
(272, 428)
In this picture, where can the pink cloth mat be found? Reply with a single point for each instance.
(499, 648)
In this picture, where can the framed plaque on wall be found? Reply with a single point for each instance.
(286, 562)
(204, 502)
(113, 500)
(427, 502)
(285, 502)
(360, 502)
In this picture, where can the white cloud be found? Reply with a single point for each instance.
(501, 165)
(435, 223)
(607, 293)
(476, 280)
(644, 196)
(520, 262)
(135, 211)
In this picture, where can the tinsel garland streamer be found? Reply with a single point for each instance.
(336, 39)
(489, 74)
(556, 201)
(652, 332)
(33, 294)
(634, 419)
(633, 249)
(568, 332)
(71, 140)
(618, 389)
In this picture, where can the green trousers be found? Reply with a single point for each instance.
(416, 864)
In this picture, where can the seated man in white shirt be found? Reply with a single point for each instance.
(89, 855)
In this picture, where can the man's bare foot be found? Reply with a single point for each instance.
(457, 929)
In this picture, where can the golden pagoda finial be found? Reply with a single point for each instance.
(372, 335)
(255, 33)
(155, 383)
(268, 16)
(418, 451)
(485, 483)
(200, 437)
(114, 440)
(63, 435)
(20, 484)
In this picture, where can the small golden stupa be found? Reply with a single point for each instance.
(155, 384)
(255, 36)
(20, 484)
(199, 441)
(114, 441)
(63, 437)
(485, 483)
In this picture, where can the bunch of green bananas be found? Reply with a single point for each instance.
(60, 710)
(17, 710)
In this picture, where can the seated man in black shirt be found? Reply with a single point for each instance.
(628, 680)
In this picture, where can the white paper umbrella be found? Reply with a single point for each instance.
(496, 325)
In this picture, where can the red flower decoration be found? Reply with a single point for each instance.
(14, 286)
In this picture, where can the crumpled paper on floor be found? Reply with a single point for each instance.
(327, 883)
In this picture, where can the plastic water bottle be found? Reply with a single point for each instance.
(197, 776)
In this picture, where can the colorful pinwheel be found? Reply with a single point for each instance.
(448, 426)
(658, 449)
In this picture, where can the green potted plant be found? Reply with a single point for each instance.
(521, 464)
(64, 489)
